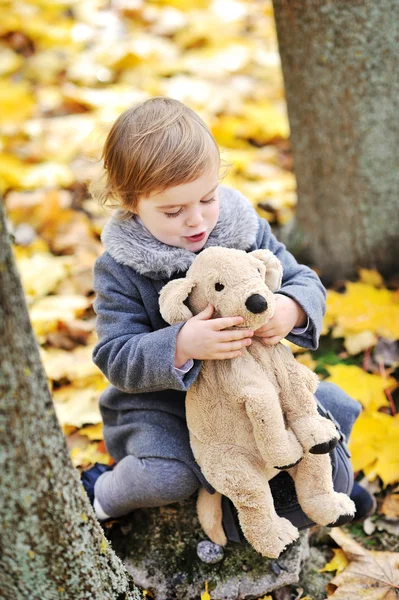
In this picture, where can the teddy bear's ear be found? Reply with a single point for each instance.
(171, 300)
(274, 269)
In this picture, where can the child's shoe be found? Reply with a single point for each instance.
(365, 503)
(88, 479)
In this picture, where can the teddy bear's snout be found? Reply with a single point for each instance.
(256, 303)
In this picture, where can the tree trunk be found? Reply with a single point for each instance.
(339, 61)
(51, 546)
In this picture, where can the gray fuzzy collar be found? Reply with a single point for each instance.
(130, 243)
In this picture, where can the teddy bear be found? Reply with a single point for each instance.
(252, 416)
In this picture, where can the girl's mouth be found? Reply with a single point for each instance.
(196, 238)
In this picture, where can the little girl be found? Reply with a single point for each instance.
(162, 169)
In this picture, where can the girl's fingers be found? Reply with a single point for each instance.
(224, 322)
(235, 334)
(232, 346)
(226, 355)
(271, 341)
(266, 334)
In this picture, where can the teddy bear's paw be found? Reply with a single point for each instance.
(290, 453)
(330, 510)
(317, 434)
(273, 541)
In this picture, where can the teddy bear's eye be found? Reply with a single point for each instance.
(219, 287)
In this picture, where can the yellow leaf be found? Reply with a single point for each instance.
(358, 342)
(364, 308)
(374, 445)
(365, 387)
(295, 349)
(103, 546)
(81, 457)
(9, 61)
(69, 429)
(390, 506)
(42, 272)
(93, 432)
(48, 312)
(78, 406)
(205, 595)
(337, 563)
(75, 365)
(12, 170)
(47, 174)
(307, 360)
(369, 574)
(266, 121)
(371, 277)
(16, 102)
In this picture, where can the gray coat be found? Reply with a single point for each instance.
(143, 408)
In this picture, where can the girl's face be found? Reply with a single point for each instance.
(184, 215)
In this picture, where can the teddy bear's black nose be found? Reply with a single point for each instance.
(256, 303)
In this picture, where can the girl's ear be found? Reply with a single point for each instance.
(171, 300)
(274, 269)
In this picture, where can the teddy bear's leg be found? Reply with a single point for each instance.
(234, 473)
(316, 495)
(278, 445)
(316, 434)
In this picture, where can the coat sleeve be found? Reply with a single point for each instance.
(133, 357)
(299, 283)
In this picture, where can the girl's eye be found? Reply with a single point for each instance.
(219, 287)
(176, 214)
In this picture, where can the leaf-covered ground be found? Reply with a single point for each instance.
(67, 70)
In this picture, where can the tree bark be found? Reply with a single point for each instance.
(339, 61)
(51, 546)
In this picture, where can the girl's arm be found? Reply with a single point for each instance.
(133, 357)
(299, 283)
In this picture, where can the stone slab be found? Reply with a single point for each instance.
(159, 548)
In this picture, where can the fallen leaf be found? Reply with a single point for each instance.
(358, 342)
(82, 457)
(371, 575)
(390, 506)
(374, 444)
(371, 277)
(205, 595)
(77, 406)
(365, 387)
(76, 366)
(48, 312)
(363, 308)
(337, 563)
(17, 102)
(41, 273)
(93, 432)
(307, 360)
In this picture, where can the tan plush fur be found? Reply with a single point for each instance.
(250, 416)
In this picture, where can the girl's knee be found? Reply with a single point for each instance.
(335, 399)
(343, 408)
(175, 481)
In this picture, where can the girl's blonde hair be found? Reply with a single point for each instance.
(153, 146)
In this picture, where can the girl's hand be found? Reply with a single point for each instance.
(204, 338)
(287, 315)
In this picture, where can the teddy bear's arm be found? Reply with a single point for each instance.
(277, 445)
(297, 385)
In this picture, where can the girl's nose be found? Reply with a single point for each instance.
(195, 218)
